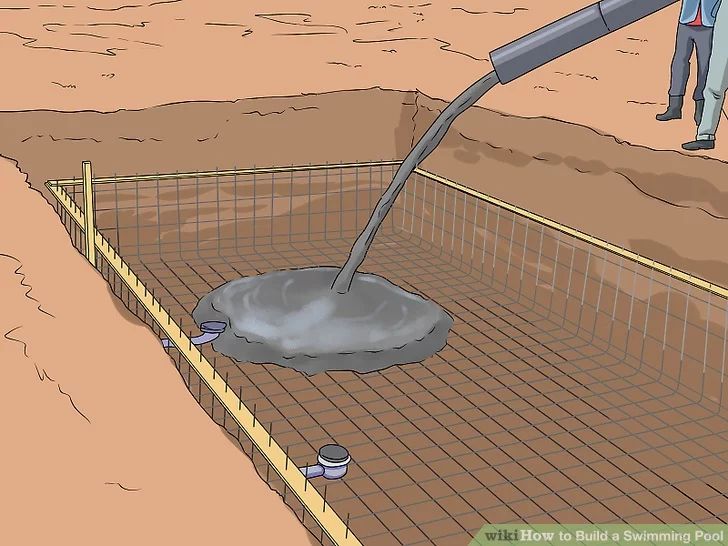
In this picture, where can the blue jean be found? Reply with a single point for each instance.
(717, 81)
(689, 38)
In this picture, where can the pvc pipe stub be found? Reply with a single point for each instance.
(213, 326)
(333, 455)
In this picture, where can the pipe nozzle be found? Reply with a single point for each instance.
(541, 46)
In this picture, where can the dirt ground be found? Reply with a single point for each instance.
(124, 469)
(106, 55)
(104, 444)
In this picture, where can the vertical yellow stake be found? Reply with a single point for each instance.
(88, 216)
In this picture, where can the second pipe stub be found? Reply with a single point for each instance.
(333, 463)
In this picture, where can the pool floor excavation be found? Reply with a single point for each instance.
(580, 382)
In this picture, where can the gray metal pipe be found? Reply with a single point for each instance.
(521, 56)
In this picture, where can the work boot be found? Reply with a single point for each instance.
(700, 144)
(674, 110)
(699, 111)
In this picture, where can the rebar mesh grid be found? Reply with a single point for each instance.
(576, 385)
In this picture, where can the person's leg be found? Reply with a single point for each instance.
(703, 38)
(679, 72)
(717, 80)
(716, 85)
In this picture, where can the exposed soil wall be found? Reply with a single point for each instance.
(339, 126)
(662, 204)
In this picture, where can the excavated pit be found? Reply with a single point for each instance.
(294, 319)
(575, 386)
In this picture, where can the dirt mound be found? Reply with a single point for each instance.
(103, 443)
